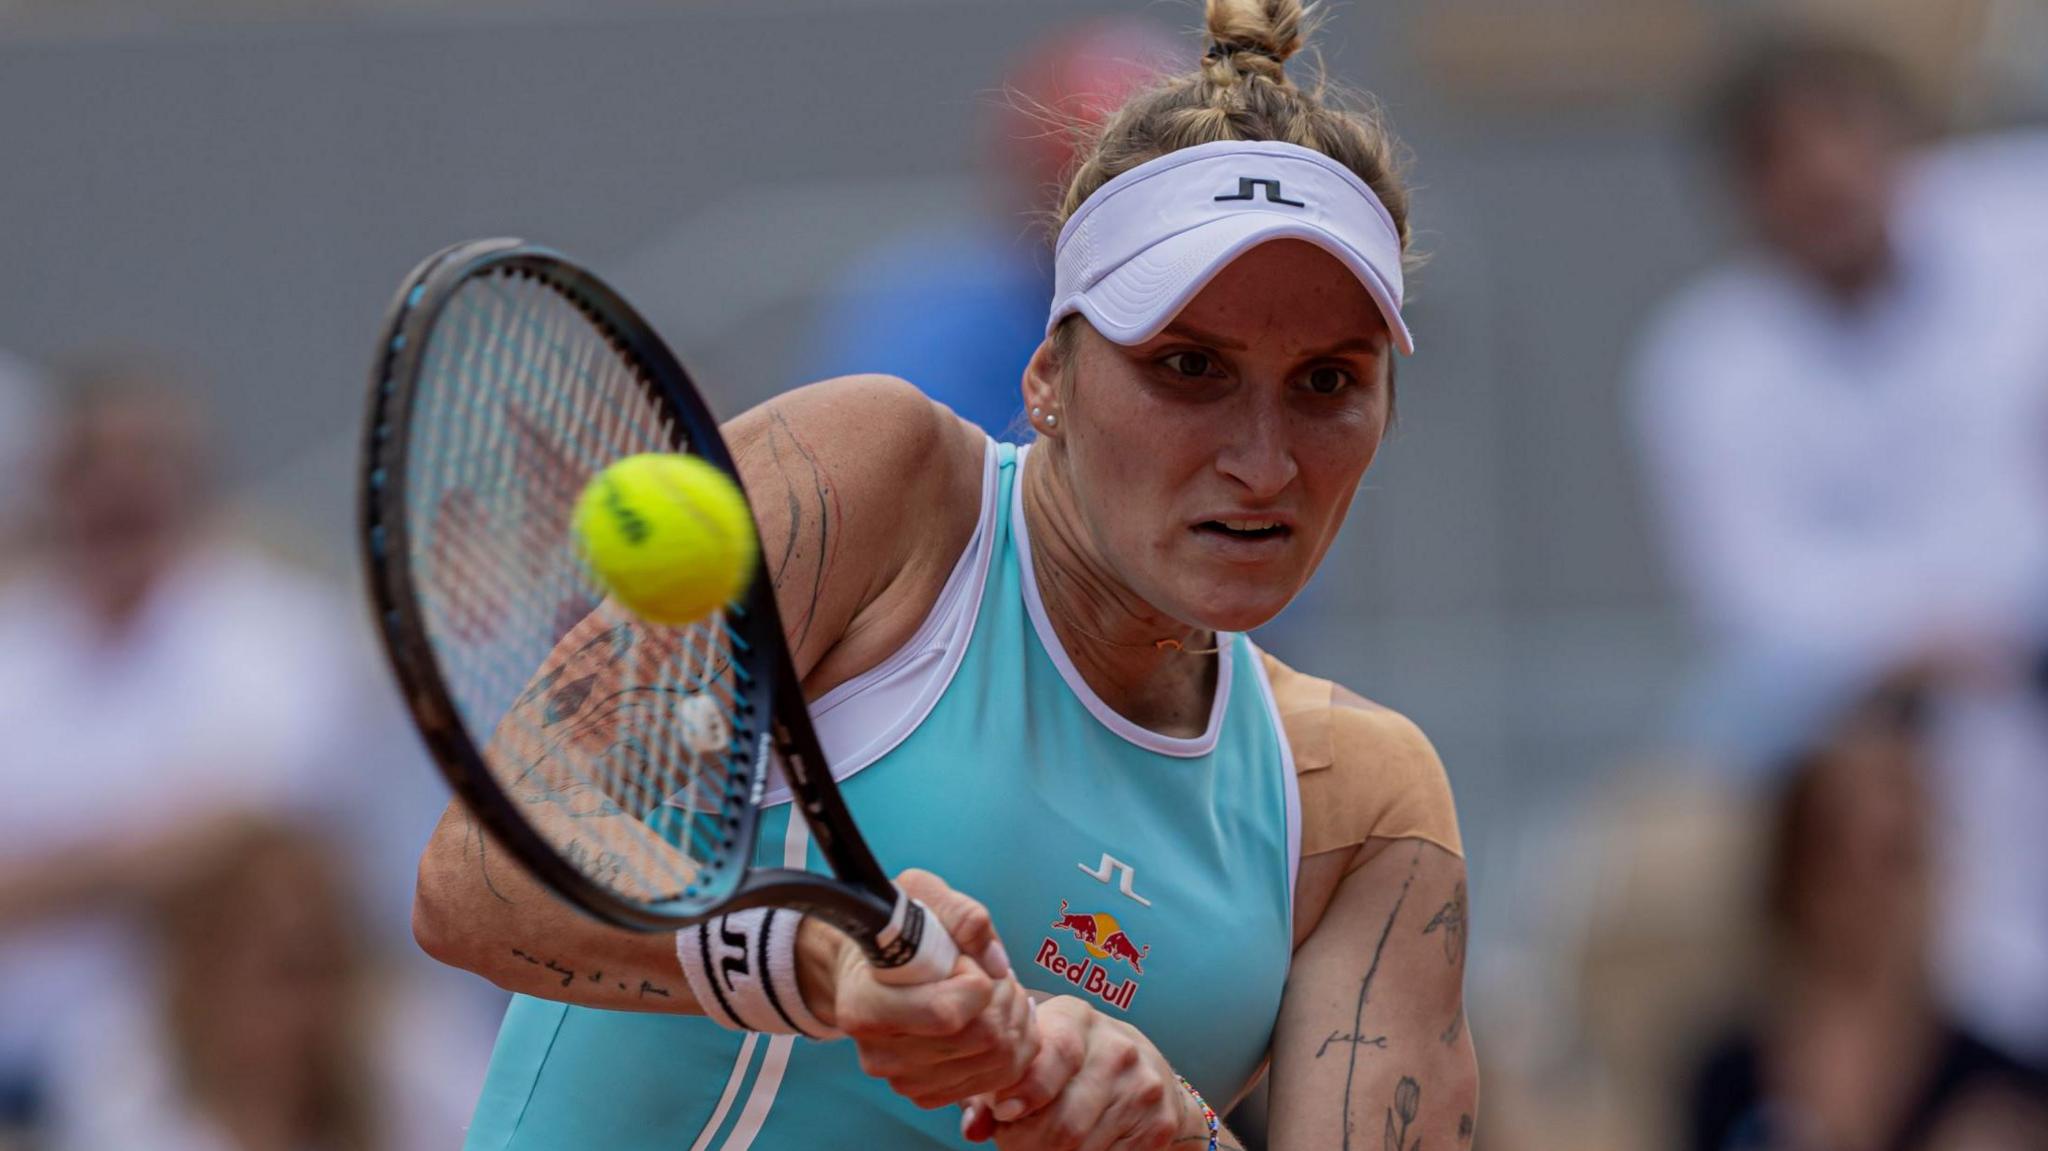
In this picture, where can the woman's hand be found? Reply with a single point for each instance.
(1097, 1084)
(935, 1043)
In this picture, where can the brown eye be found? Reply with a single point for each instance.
(1190, 364)
(1328, 381)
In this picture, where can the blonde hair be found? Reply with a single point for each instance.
(1241, 91)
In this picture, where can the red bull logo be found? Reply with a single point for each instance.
(1081, 924)
(1103, 939)
(1117, 945)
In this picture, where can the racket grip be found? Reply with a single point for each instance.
(932, 957)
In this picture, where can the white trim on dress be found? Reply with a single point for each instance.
(1185, 748)
(863, 719)
(1292, 785)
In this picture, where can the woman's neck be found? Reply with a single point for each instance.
(1112, 635)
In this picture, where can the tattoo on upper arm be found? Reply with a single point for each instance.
(472, 835)
(800, 473)
(1450, 919)
(1465, 1127)
(1407, 1102)
(1355, 1038)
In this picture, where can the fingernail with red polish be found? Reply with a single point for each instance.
(973, 1122)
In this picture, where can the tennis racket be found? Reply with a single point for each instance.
(623, 763)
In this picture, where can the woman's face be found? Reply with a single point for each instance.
(1213, 464)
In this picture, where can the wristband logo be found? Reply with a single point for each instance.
(733, 962)
(1103, 939)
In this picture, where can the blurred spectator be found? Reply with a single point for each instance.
(958, 310)
(22, 416)
(1847, 430)
(1632, 949)
(160, 682)
(266, 1017)
(1852, 1050)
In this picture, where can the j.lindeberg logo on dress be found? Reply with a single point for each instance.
(1109, 866)
(1245, 184)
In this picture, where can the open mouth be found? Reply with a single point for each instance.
(1250, 530)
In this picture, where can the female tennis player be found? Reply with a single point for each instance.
(1028, 668)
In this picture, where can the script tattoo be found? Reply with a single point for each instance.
(1355, 1038)
(570, 975)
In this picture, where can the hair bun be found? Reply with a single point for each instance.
(1256, 36)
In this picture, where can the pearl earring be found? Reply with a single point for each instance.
(1052, 420)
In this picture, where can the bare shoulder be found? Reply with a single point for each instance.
(1365, 770)
(875, 430)
(865, 490)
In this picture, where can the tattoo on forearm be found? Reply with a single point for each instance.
(1354, 1040)
(565, 701)
(569, 975)
(1407, 1102)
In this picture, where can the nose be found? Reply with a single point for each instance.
(1257, 451)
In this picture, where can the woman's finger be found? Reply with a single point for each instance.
(869, 1009)
(1062, 1044)
(1078, 1108)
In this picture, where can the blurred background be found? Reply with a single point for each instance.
(1711, 547)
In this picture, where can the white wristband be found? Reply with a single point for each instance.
(742, 970)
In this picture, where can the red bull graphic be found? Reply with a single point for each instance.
(1117, 945)
(1081, 924)
(1103, 939)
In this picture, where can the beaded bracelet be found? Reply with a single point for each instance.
(1208, 1112)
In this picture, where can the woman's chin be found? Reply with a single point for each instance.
(1237, 613)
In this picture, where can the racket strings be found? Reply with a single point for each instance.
(635, 748)
(624, 781)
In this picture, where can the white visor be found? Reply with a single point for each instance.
(1146, 242)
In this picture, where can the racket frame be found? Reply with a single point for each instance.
(861, 901)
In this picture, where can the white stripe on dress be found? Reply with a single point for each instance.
(794, 846)
(732, 1088)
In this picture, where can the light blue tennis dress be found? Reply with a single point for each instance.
(1151, 875)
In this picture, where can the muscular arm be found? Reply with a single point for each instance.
(1371, 1049)
(831, 471)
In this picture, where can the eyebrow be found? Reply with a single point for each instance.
(1368, 345)
(1199, 336)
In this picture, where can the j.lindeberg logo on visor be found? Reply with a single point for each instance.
(1245, 184)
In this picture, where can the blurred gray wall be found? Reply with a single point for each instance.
(245, 199)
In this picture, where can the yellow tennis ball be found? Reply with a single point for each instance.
(670, 536)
